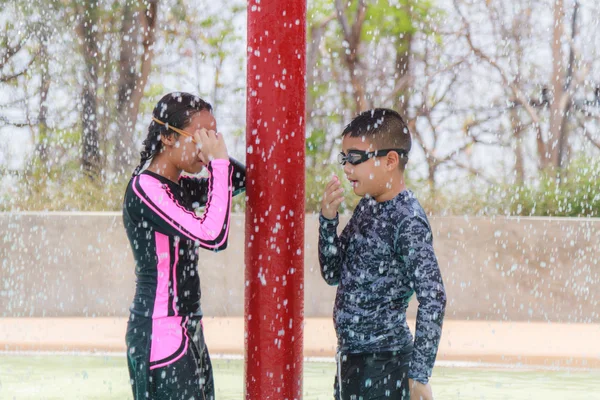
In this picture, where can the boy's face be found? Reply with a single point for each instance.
(369, 177)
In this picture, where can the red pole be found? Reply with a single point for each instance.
(275, 188)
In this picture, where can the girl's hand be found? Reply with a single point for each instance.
(211, 146)
(332, 198)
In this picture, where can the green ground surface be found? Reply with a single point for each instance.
(78, 377)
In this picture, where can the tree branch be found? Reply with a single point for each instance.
(591, 139)
(316, 34)
(361, 14)
(8, 78)
(508, 82)
(10, 51)
(473, 171)
(8, 122)
(341, 17)
(541, 144)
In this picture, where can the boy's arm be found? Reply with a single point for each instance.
(415, 244)
(330, 250)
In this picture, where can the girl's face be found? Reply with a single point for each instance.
(185, 154)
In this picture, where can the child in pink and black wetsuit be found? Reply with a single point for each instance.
(166, 352)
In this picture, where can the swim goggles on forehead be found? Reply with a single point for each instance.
(356, 157)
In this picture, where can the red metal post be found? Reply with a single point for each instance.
(274, 255)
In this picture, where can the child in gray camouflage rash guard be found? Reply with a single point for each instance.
(383, 256)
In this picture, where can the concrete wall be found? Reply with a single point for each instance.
(80, 264)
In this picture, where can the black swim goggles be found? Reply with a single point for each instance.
(356, 157)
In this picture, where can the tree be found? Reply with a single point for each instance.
(137, 38)
(25, 56)
(98, 29)
(352, 26)
(87, 30)
(547, 111)
(15, 41)
(355, 53)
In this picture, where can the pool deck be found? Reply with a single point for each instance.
(530, 344)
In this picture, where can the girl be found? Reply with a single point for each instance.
(166, 353)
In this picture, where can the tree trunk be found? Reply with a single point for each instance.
(149, 18)
(132, 79)
(517, 129)
(127, 78)
(432, 167)
(519, 161)
(42, 137)
(563, 144)
(402, 96)
(351, 58)
(557, 106)
(90, 152)
(356, 79)
(316, 35)
(217, 83)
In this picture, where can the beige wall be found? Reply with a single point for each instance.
(79, 264)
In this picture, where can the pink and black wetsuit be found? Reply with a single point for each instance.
(167, 356)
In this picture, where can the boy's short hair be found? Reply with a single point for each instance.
(385, 128)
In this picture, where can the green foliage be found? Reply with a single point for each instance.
(386, 20)
(315, 142)
(153, 92)
(575, 193)
(65, 188)
(319, 9)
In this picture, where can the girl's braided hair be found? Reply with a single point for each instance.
(174, 109)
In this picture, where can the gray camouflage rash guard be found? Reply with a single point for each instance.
(383, 256)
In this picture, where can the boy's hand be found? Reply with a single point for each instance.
(332, 198)
(418, 391)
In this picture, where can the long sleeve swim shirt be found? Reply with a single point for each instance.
(383, 256)
(166, 234)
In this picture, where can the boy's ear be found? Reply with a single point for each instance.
(392, 160)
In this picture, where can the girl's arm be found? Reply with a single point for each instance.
(162, 209)
(198, 187)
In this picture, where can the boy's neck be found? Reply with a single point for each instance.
(397, 187)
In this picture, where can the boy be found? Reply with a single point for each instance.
(383, 256)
